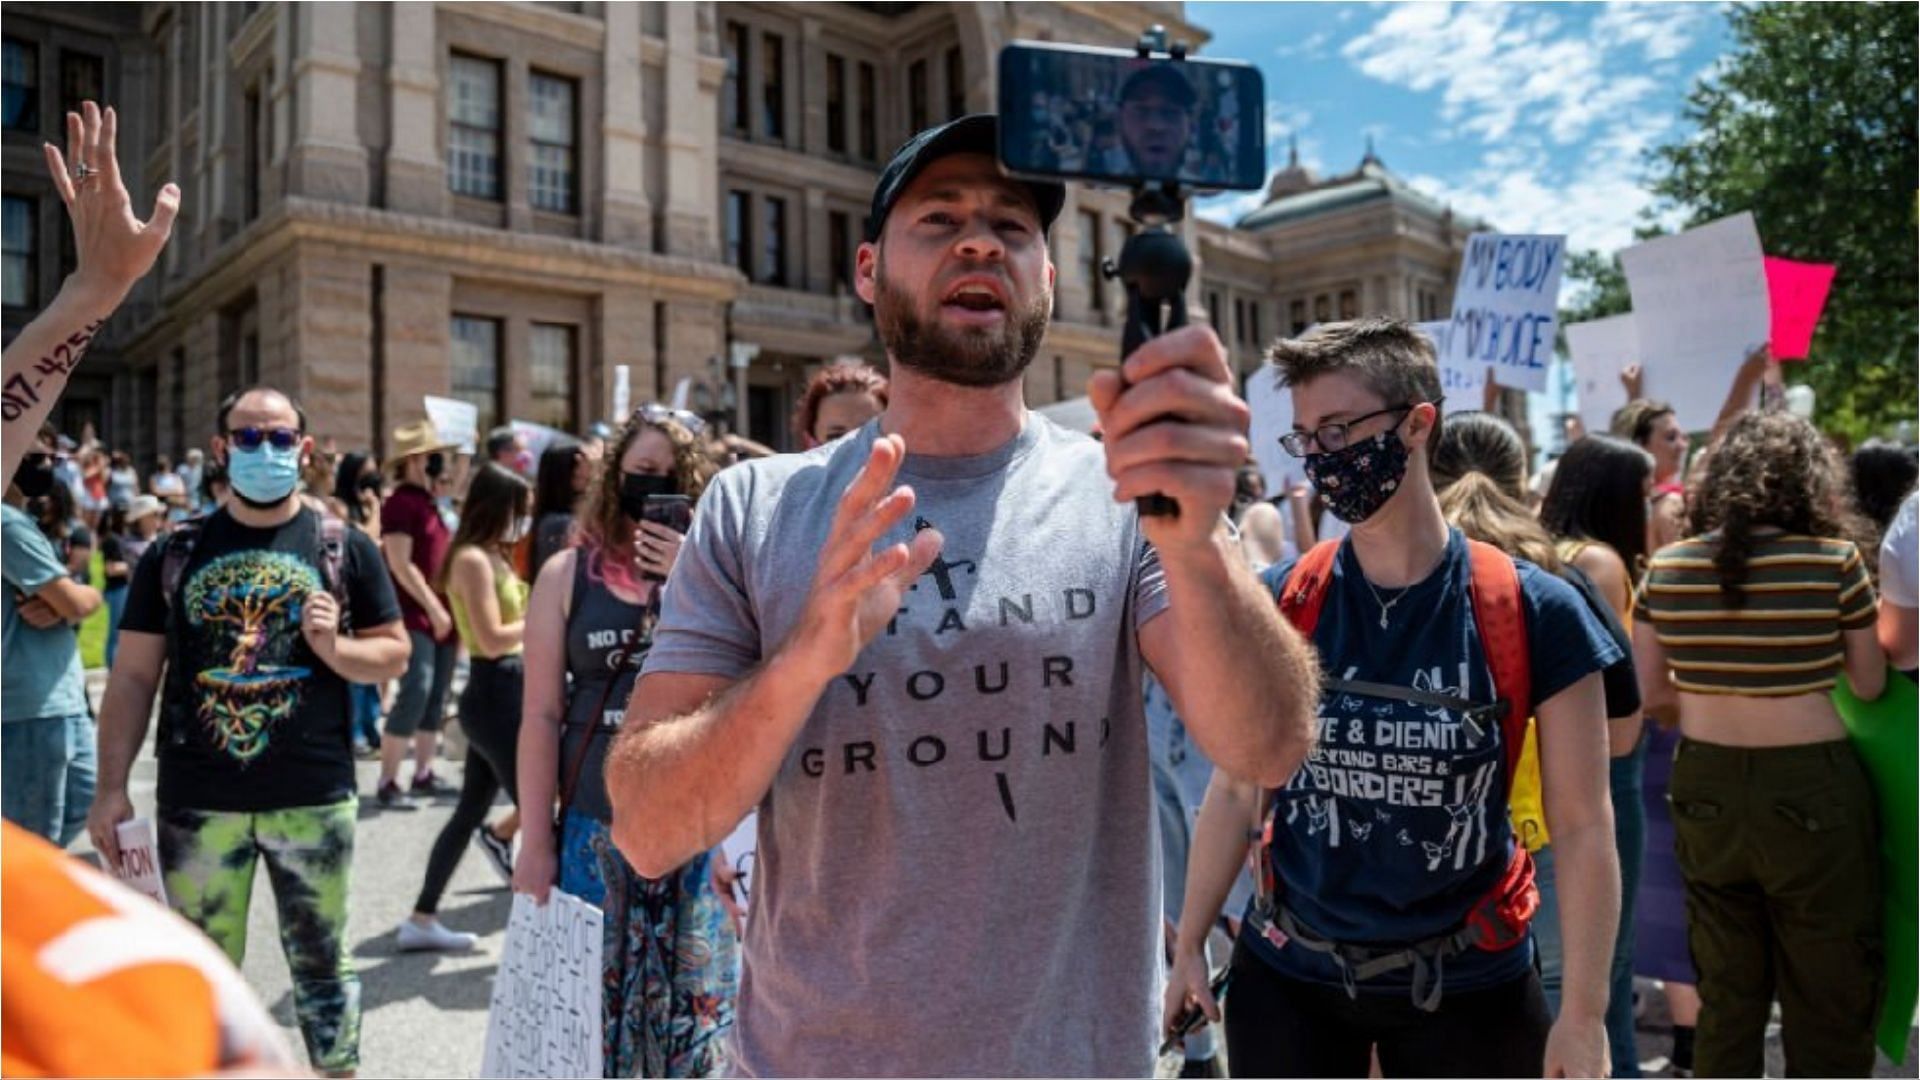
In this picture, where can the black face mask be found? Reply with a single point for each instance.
(436, 464)
(635, 487)
(35, 475)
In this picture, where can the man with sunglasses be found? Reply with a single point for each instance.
(1393, 915)
(919, 650)
(257, 616)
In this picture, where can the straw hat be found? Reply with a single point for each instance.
(142, 506)
(419, 437)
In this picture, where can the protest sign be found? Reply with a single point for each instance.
(1796, 293)
(1505, 308)
(742, 851)
(1272, 409)
(537, 437)
(1699, 307)
(1464, 386)
(622, 393)
(544, 1019)
(139, 865)
(1601, 349)
(455, 421)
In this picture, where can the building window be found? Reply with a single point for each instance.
(734, 95)
(1349, 305)
(1322, 308)
(869, 120)
(956, 84)
(839, 251)
(739, 231)
(20, 73)
(1253, 323)
(773, 89)
(836, 104)
(550, 376)
(83, 77)
(773, 263)
(1297, 315)
(1239, 321)
(473, 130)
(476, 367)
(19, 228)
(250, 359)
(1090, 260)
(250, 153)
(551, 130)
(1213, 313)
(917, 119)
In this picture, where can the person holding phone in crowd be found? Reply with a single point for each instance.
(414, 538)
(559, 489)
(1745, 628)
(489, 604)
(1393, 913)
(919, 650)
(671, 968)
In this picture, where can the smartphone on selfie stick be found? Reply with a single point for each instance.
(1152, 120)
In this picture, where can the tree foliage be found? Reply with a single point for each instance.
(1810, 123)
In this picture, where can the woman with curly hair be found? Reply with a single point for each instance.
(669, 961)
(839, 398)
(1744, 628)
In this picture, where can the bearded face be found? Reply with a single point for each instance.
(966, 329)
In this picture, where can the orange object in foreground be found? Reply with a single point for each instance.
(101, 981)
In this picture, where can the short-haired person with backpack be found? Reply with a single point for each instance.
(258, 616)
(1392, 908)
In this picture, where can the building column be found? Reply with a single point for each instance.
(626, 217)
(418, 318)
(811, 88)
(320, 321)
(622, 334)
(692, 162)
(326, 160)
(416, 170)
(201, 345)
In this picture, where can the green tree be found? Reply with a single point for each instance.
(1810, 123)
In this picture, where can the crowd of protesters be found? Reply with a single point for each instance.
(1436, 759)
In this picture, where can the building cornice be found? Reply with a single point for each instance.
(578, 30)
(460, 248)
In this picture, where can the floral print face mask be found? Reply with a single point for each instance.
(1358, 480)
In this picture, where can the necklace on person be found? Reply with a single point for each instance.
(1385, 605)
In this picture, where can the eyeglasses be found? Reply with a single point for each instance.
(1333, 437)
(656, 413)
(250, 438)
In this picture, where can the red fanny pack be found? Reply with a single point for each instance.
(1500, 919)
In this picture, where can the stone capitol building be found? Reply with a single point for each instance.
(507, 202)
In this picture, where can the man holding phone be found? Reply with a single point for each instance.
(941, 719)
(1156, 119)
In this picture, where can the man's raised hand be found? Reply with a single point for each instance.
(856, 589)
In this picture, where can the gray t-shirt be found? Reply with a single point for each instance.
(958, 869)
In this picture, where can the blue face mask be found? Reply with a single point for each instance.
(263, 476)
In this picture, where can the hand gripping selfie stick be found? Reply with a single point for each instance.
(1154, 265)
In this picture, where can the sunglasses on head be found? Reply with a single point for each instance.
(654, 413)
(250, 438)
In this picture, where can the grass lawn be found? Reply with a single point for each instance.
(93, 632)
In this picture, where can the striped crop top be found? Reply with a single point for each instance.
(1801, 592)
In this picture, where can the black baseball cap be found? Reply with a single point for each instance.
(975, 134)
(1160, 75)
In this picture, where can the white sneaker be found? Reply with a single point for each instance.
(433, 938)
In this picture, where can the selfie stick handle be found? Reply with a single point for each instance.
(1154, 268)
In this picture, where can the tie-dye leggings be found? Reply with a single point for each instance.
(208, 856)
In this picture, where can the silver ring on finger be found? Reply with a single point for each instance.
(82, 172)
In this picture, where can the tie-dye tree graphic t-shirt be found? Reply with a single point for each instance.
(249, 718)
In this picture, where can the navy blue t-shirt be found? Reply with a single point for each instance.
(1397, 823)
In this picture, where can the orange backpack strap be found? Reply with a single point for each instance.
(1306, 589)
(1499, 613)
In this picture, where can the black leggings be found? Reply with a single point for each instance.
(1278, 1026)
(490, 716)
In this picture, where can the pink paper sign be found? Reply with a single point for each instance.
(1798, 293)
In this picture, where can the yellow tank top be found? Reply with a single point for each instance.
(509, 592)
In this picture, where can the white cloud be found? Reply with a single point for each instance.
(1561, 108)
(1227, 209)
(1311, 47)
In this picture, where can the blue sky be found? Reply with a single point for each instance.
(1534, 116)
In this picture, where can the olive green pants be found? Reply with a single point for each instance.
(1780, 852)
